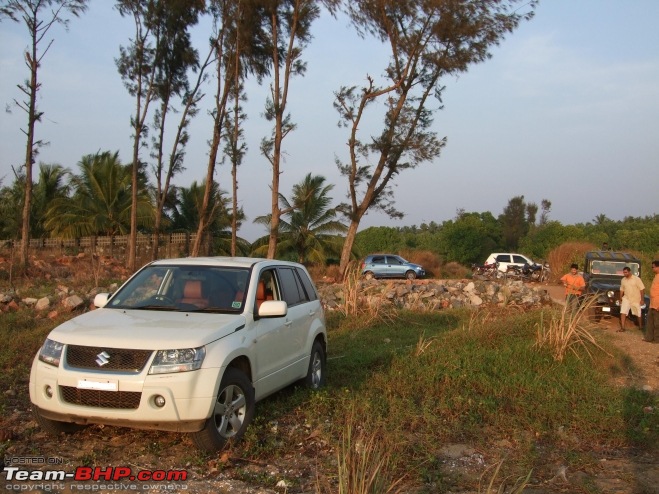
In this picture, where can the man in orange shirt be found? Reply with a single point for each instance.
(652, 325)
(574, 286)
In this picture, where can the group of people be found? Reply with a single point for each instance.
(632, 296)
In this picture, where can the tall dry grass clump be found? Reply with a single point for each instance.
(356, 303)
(365, 463)
(504, 487)
(567, 330)
(566, 254)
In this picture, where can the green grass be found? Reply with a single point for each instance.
(421, 381)
(407, 386)
(21, 334)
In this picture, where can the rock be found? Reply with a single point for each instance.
(42, 303)
(72, 302)
(30, 301)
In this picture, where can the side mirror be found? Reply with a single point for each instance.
(273, 308)
(101, 299)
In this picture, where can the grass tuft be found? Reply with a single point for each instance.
(568, 330)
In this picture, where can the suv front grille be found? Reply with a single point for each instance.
(126, 400)
(117, 359)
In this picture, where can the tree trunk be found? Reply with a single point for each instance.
(347, 248)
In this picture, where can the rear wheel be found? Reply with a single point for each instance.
(232, 413)
(316, 373)
(368, 275)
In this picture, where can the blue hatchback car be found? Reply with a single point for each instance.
(390, 266)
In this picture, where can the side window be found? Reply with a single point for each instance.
(503, 258)
(519, 260)
(307, 284)
(292, 289)
(378, 260)
(267, 288)
(394, 260)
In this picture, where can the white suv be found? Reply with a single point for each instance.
(506, 259)
(184, 345)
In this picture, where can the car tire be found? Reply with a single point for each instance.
(369, 275)
(315, 378)
(410, 275)
(55, 427)
(231, 414)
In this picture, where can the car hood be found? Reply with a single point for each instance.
(604, 284)
(146, 329)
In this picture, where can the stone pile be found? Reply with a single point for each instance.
(438, 294)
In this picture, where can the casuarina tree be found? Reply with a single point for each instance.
(39, 16)
(427, 40)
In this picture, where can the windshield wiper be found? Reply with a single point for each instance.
(153, 307)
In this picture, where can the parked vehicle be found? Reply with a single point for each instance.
(390, 266)
(486, 271)
(603, 274)
(186, 345)
(529, 272)
(506, 259)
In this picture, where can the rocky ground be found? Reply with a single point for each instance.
(617, 471)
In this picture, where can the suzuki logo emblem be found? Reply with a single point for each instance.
(102, 358)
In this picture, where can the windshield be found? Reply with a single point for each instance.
(613, 268)
(184, 288)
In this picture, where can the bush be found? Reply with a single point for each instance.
(429, 260)
(566, 254)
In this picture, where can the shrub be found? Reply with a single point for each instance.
(565, 254)
(429, 260)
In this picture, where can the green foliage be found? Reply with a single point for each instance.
(470, 237)
(458, 375)
(378, 239)
(542, 239)
(101, 200)
(308, 229)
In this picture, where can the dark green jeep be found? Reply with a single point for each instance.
(603, 273)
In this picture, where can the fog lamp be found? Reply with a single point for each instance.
(49, 391)
(159, 401)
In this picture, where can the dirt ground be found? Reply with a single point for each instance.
(644, 355)
(621, 471)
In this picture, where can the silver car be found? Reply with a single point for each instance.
(186, 345)
(390, 266)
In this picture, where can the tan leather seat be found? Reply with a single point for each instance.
(193, 294)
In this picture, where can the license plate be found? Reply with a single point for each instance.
(98, 385)
(606, 309)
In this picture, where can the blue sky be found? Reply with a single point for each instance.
(566, 110)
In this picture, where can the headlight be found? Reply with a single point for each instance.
(181, 360)
(610, 293)
(51, 352)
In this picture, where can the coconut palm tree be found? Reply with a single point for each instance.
(101, 200)
(308, 228)
(185, 217)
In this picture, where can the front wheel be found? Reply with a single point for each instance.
(316, 373)
(410, 275)
(232, 413)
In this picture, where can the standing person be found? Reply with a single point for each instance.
(631, 296)
(574, 286)
(652, 325)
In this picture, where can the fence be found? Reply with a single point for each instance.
(169, 245)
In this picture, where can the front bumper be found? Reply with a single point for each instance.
(100, 398)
